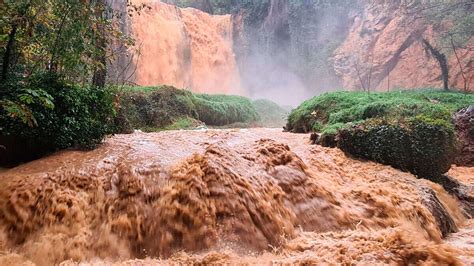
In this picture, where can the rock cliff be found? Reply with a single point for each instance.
(288, 51)
(385, 42)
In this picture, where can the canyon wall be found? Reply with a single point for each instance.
(353, 45)
(385, 43)
(288, 51)
(186, 48)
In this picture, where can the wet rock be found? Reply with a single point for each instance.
(464, 123)
(328, 140)
(314, 138)
(444, 220)
(201, 127)
(325, 140)
(461, 191)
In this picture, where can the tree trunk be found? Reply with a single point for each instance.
(460, 65)
(8, 52)
(442, 61)
(53, 64)
(100, 73)
(356, 66)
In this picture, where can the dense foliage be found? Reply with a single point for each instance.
(219, 110)
(66, 37)
(159, 108)
(410, 130)
(53, 57)
(45, 113)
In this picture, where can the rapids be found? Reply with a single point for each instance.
(225, 196)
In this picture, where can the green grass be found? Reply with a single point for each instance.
(330, 110)
(142, 88)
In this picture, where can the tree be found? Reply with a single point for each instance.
(443, 63)
(364, 72)
(18, 15)
(66, 37)
(453, 21)
(100, 71)
(458, 60)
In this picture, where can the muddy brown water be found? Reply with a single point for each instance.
(247, 196)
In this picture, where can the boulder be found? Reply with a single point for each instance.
(463, 122)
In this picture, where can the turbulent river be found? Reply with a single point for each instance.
(255, 196)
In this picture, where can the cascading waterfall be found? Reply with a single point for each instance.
(186, 48)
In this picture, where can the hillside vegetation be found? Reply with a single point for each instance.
(271, 114)
(333, 110)
(165, 107)
(410, 130)
(44, 113)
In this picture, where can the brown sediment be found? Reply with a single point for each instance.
(223, 196)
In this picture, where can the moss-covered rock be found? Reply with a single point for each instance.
(419, 145)
(464, 124)
(410, 130)
(329, 109)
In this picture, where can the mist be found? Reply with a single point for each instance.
(265, 78)
(285, 55)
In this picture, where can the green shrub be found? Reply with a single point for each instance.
(164, 107)
(410, 130)
(76, 117)
(220, 110)
(270, 113)
(152, 108)
(421, 145)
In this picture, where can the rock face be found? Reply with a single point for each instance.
(323, 47)
(464, 123)
(288, 51)
(384, 42)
